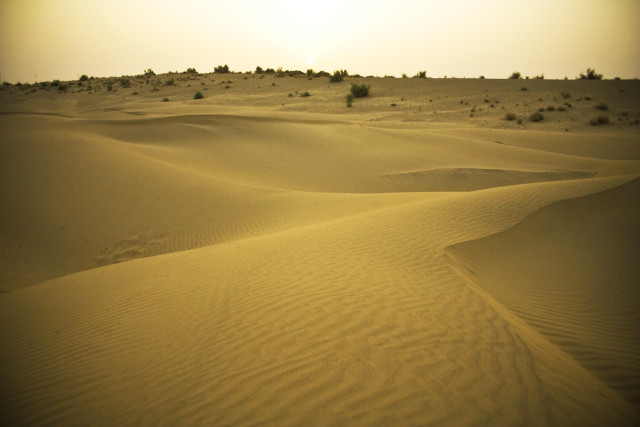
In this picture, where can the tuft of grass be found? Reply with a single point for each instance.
(602, 106)
(360, 91)
(536, 117)
(349, 99)
(305, 94)
(198, 95)
(510, 116)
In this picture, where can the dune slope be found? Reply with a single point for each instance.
(571, 271)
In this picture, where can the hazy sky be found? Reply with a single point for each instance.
(62, 39)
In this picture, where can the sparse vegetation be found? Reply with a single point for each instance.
(349, 100)
(510, 116)
(360, 91)
(539, 77)
(536, 117)
(198, 95)
(515, 75)
(338, 76)
(590, 75)
(602, 119)
(169, 82)
(149, 72)
(191, 71)
(551, 108)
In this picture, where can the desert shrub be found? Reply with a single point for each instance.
(338, 76)
(221, 69)
(322, 74)
(561, 108)
(515, 75)
(539, 77)
(510, 116)
(602, 106)
(602, 119)
(149, 72)
(349, 99)
(279, 72)
(125, 82)
(191, 71)
(53, 83)
(360, 91)
(565, 95)
(165, 99)
(590, 75)
(109, 87)
(198, 95)
(258, 70)
(305, 94)
(169, 82)
(84, 78)
(481, 77)
(523, 89)
(551, 108)
(536, 117)
(420, 75)
(310, 72)
(134, 93)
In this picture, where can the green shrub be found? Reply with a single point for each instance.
(198, 95)
(349, 99)
(360, 91)
(536, 117)
(84, 78)
(515, 75)
(259, 70)
(169, 82)
(338, 76)
(590, 75)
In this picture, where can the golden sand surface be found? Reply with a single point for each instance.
(258, 257)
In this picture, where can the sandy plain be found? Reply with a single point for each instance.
(261, 258)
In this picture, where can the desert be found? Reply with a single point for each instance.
(265, 254)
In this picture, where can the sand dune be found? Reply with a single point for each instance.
(260, 259)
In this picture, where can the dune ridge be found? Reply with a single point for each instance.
(260, 259)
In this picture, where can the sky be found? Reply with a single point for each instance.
(62, 39)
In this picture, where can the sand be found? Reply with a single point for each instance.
(256, 258)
